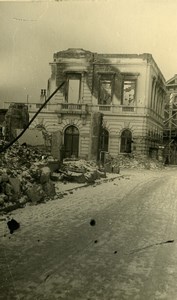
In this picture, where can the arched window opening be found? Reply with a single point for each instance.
(126, 141)
(71, 141)
(104, 143)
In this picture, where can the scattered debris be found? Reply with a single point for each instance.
(139, 162)
(29, 174)
(25, 176)
(80, 171)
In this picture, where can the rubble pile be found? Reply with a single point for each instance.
(24, 177)
(139, 162)
(27, 175)
(81, 171)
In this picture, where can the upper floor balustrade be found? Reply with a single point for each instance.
(80, 108)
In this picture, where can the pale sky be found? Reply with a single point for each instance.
(31, 32)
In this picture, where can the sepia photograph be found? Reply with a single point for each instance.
(88, 150)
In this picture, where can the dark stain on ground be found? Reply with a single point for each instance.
(96, 241)
(152, 245)
(169, 241)
(13, 225)
(48, 275)
(92, 222)
(115, 252)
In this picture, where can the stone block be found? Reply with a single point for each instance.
(116, 169)
(8, 189)
(35, 173)
(49, 188)
(23, 200)
(45, 175)
(108, 168)
(2, 199)
(16, 185)
(101, 174)
(90, 177)
(36, 194)
(78, 177)
(4, 177)
(53, 165)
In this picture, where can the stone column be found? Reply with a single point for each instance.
(95, 130)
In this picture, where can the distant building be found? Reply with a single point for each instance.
(2, 123)
(109, 102)
(16, 117)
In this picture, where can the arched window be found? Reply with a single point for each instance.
(126, 141)
(71, 141)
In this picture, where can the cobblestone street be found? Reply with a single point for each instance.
(57, 254)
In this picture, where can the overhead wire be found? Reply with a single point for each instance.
(3, 149)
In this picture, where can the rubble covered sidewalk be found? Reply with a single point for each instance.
(24, 177)
(29, 175)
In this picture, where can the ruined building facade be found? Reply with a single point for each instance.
(109, 102)
(170, 121)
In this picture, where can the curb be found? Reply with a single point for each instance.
(9, 209)
(98, 182)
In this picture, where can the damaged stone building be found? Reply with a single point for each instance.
(109, 102)
(170, 121)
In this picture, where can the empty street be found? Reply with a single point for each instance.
(112, 241)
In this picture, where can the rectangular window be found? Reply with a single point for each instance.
(105, 89)
(128, 95)
(73, 88)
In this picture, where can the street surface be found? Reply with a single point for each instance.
(130, 252)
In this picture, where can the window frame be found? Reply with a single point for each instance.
(72, 75)
(132, 78)
(106, 77)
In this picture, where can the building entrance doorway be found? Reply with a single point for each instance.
(126, 141)
(71, 141)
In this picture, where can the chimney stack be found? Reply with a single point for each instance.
(43, 95)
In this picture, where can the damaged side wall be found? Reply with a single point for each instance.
(17, 117)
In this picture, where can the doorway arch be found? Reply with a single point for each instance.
(126, 141)
(71, 141)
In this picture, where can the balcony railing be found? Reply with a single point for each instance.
(114, 108)
(128, 108)
(69, 106)
(80, 108)
(104, 107)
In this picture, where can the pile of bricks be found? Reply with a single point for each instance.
(139, 162)
(81, 171)
(24, 177)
